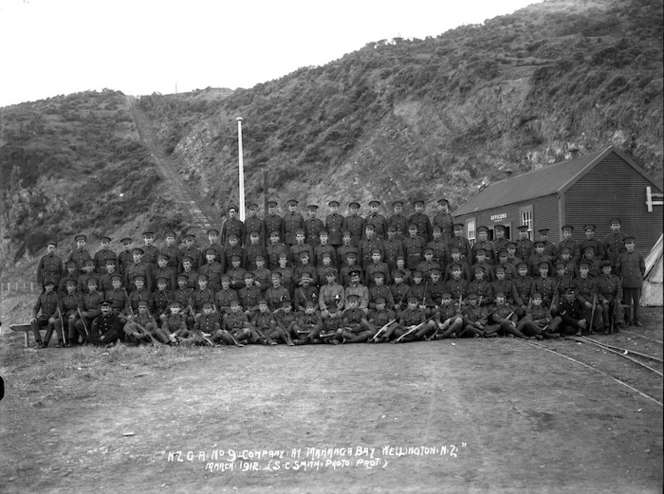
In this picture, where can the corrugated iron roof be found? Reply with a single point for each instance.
(538, 183)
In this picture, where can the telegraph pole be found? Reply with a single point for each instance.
(241, 166)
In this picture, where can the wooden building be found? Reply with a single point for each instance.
(590, 189)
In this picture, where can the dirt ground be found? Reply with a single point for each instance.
(448, 416)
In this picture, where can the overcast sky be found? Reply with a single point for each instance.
(51, 47)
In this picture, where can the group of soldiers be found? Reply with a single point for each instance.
(346, 279)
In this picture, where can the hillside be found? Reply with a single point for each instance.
(394, 119)
(436, 117)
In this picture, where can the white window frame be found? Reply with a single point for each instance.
(471, 233)
(526, 218)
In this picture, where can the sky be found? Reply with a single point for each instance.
(51, 47)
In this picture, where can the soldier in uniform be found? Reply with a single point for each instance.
(481, 287)
(379, 317)
(413, 247)
(591, 241)
(80, 253)
(91, 308)
(484, 244)
(274, 222)
(354, 223)
(237, 324)
(392, 247)
(549, 248)
(105, 280)
(421, 220)
(232, 249)
(411, 316)
(69, 305)
(125, 258)
(457, 285)
(448, 320)
(249, 295)
(377, 220)
(355, 327)
(274, 249)
(254, 223)
(253, 249)
(586, 293)
(438, 244)
(106, 328)
(444, 220)
(331, 296)
(368, 244)
(614, 242)
(569, 242)
(236, 273)
(134, 334)
(300, 246)
(456, 258)
(631, 269)
(262, 275)
(305, 291)
(398, 220)
(232, 225)
(189, 250)
(173, 253)
(461, 243)
(286, 273)
(536, 319)
(293, 221)
(72, 274)
(50, 266)
(500, 242)
(277, 294)
(160, 299)
(571, 319)
(87, 273)
(538, 257)
(334, 224)
(308, 324)
(116, 295)
(150, 250)
(136, 268)
(345, 247)
(163, 270)
(522, 289)
(379, 290)
(225, 295)
(219, 254)
(323, 248)
(610, 298)
(524, 246)
(503, 317)
(140, 294)
(45, 314)
(400, 290)
(313, 226)
(355, 288)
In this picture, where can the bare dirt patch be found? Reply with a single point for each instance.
(446, 416)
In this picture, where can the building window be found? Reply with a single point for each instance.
(470, 228)
(527, 219)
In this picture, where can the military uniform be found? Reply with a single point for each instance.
(275, 296)
(232, 226)
(354, 223)
(223, 299)
(45, 308)
(254, 224)
(423, 224)
(399, 222)
(105, 329)
(413, 251)
(293, 221)
(334, 225)
(444, 221)
(378, 221)
(312, 227)
(50, 267)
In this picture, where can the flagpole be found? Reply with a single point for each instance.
(241, 166)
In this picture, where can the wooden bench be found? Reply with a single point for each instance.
(26, 329)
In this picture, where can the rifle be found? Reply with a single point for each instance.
(283, 331)
(592, 316)
(383, 329)
(80, 314)
(235, 342)
(142, 329)
(62, 325)
(413, 329)
(555, 294)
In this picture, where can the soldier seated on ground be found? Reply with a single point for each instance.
(106, 328)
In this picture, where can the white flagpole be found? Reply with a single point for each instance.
(241, 166)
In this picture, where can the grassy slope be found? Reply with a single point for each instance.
(436, 116)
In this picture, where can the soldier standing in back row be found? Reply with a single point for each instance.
(50, 266)
(80, 253)
(614, 242)
(444, 220)
(398, 220)
(334, 224)
(254, 223)
(377, 220)
(524, 246)
(631, 268)
(232, 225)
(591, 241)
(421, 220)
(293, 221)
(570, 243)
(354, 223)
(273, 222)
(103, 254)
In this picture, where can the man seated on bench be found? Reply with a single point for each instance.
(45, 313)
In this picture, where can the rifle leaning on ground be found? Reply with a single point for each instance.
(282, 330)
(62, 325)
(143, 330)
(413, 329)
(383, 329)
(592, 314)
(80, 314)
